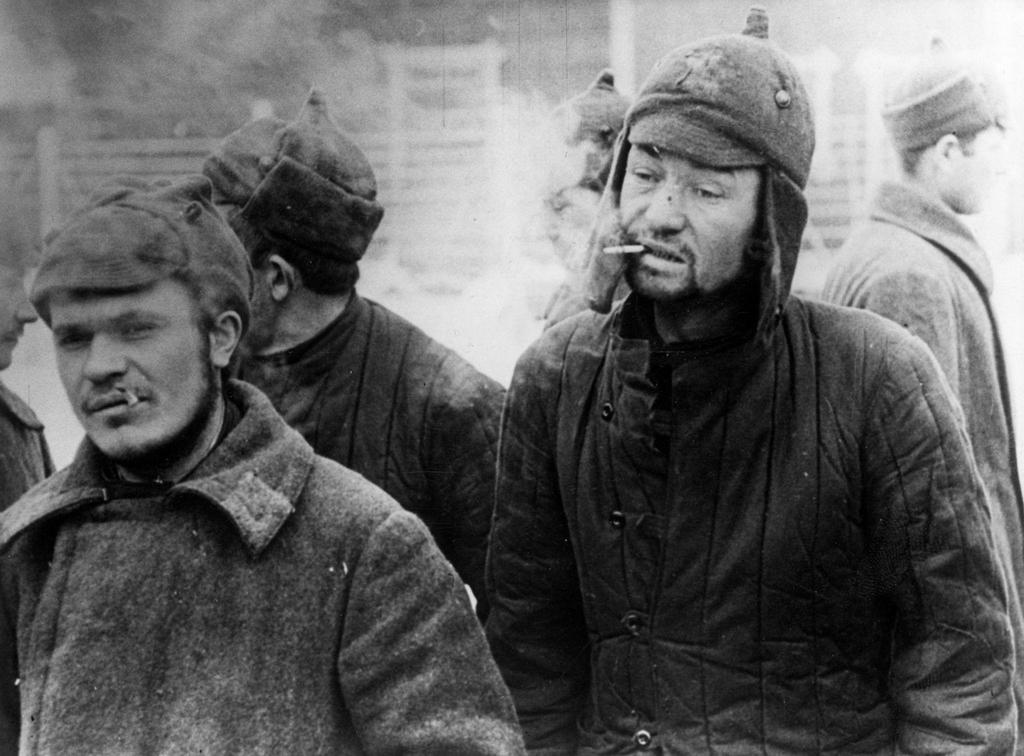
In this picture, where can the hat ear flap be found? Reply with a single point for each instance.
(604, 270)
(784, 214)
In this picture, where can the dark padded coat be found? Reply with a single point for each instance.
(809, 570)
(24, 455)
(790, 552)
(272, 603)
(376, 394)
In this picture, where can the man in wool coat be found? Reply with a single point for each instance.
(916, 262)
(24, 454)
(363, 386)
(198, 580)
(728, 520)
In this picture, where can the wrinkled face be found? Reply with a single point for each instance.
(568, 218)
(695, 223)
(137, 369)
(15, 312)
(974, 170)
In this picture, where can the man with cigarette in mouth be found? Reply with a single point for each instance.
(198, 580)
(24, 454)
(363, 386)
(728, 520)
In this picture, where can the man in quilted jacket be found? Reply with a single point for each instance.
(364, 387)
(728, 520)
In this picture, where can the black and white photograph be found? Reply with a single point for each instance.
(510, 377)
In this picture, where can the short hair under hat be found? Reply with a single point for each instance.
(303, 184)
(941, 94)
(132, 233)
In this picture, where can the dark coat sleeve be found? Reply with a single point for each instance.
(952, 652)
(536, 627)
(462, 444)
(10, 708)
(413, 664)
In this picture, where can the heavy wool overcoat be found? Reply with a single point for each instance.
(376, 394)
(916, 263)
(273, 602)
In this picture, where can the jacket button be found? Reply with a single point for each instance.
(617, 519)
(607, 411)
(633, 622)
(642, 738)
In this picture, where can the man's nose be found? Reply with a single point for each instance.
(666, 211)
(25, 312)
(105, 359)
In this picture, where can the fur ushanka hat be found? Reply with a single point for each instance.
(302, 184)
(728, 101)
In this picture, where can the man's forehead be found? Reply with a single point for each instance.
(161, 297)
(665, 154)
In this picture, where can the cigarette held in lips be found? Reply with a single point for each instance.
(130, 399)
(624, 249)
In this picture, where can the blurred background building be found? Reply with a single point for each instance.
(451, 101)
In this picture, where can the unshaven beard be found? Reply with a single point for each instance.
(168, 454)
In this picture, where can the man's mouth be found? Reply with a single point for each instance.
(681, 257)
(118, 397)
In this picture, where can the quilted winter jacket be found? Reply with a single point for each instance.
(917, 264)
(273, 602)
(809, 569)
(376, 394)
(24, 454)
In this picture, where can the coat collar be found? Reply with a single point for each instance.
(255, 476)
(16, 407)
(907, 207)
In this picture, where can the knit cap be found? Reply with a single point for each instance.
(729, 101)
(303, 184)
(132, 233)
(941, 94)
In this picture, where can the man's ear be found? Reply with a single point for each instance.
(281, 276)
(947, 147)
(225, 334)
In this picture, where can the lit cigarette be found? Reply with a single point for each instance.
(624, 249)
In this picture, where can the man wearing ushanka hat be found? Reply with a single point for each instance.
(364, 386)
(729, 520)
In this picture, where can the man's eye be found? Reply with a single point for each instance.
(70, 341)
(136, 331)
(644, 175)
(708, 192)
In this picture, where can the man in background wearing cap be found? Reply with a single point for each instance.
(363, 386)
(24, 454)
(727, 520)
(198, 580)
(914, 261)
(589, 123)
